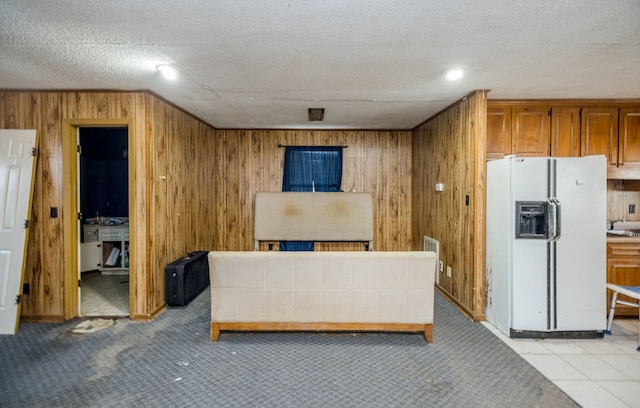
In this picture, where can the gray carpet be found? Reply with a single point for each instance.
(170, 362)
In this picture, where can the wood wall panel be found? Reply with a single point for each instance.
(249, 161)
(447, 149)
(166, 142)
(182, 190)
(140, 202)
(621, 193)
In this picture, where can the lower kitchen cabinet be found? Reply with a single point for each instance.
(623, 268)
(90, 256)
(105, 248)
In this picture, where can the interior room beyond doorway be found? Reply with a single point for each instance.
(104, 231)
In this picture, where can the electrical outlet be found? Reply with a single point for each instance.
(441, 266)
(448, 271)
(632, 208)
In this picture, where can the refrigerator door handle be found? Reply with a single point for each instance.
(558, 226)
(551, 219)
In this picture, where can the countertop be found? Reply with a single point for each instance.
(631, 226)
(623, 240)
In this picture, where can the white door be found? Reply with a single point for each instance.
(529, 256)
(17, 165)
(581, 250)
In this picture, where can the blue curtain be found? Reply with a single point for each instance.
(310, 168)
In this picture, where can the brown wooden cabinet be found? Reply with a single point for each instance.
(629, 140)
(523, 131)
(623, 268)
(530, 131)
(498, 132)
(568, 129)
(565, 131)
(599, 133)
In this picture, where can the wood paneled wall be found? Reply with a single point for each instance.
(250, 161)
(620, 194)
(172, 190)
(450, 149)
(194, 187)
(183, 194)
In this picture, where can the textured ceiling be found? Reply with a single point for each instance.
(370, 64)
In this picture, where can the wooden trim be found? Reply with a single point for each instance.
(456, 303)
(216, 327)
(42, 319)
(586, 103)
(479, 201)
(623, 172)
(70, 209)
(459, 101)
(147, 318)
(70, 224)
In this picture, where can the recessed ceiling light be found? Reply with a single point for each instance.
(167, 71)
(455, 73)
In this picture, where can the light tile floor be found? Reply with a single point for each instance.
(104, 295)
(594, 372)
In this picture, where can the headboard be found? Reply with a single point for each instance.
(313, 216)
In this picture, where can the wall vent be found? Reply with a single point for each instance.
(316, 114)
(433, 245)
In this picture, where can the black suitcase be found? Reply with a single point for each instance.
(186, 277)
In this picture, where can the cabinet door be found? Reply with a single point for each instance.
(498, 132)
(623, 268)
(565, 132)
(90, 256)
(629, 139)
(600, 133)
(530, 131)
(623, 271)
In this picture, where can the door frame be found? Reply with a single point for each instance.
(70, 208)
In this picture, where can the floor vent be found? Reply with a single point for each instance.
(432, 245)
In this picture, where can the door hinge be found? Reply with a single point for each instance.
(79, 149)
(18, 299)
(79, 283)
(79, 216)
(34, 152)
(26, 224)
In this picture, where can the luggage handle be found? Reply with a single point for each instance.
(189, 255)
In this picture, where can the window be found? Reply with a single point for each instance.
(310, 168)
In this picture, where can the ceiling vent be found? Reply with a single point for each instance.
(316, 114)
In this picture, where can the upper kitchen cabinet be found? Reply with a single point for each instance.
(600, 133)
(568, 128)
(530, 131)
(628, 145)
(523, 131)
(498, 132)
(565, 131)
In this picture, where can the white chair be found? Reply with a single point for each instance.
(631, 291)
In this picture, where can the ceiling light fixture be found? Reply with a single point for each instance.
(455, 73)
(167, 71)
(316, 114)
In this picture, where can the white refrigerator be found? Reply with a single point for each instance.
(546, 246)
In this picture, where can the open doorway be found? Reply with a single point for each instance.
(103, 203)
